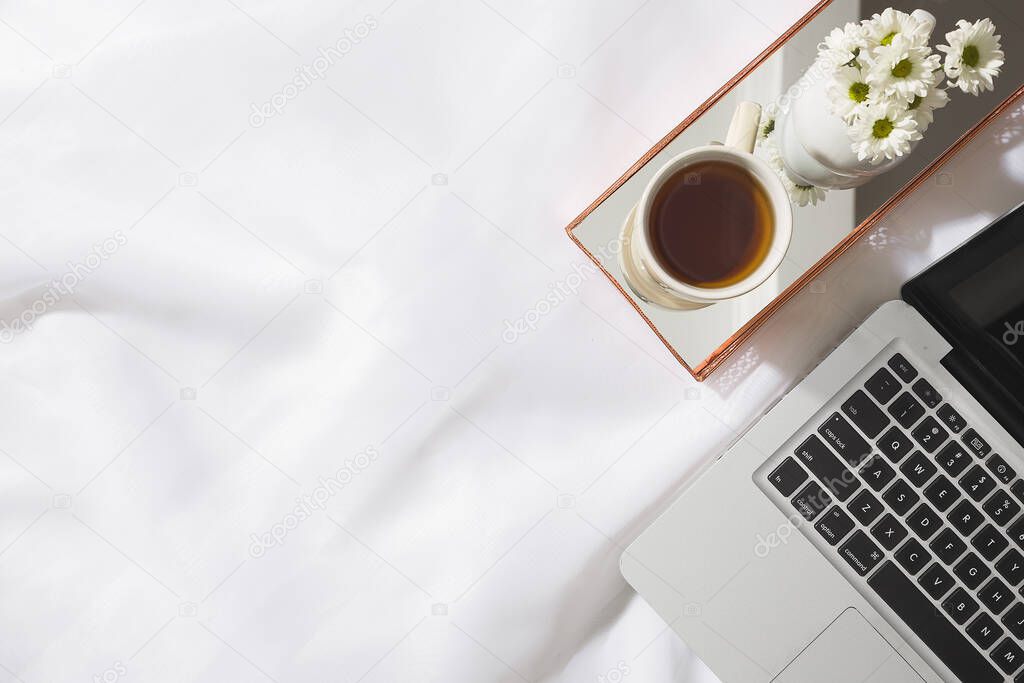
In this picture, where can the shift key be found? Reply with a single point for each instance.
(844, 439)
(829, 469)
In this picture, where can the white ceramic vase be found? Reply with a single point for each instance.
(815, 147)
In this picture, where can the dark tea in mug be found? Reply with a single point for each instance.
(711, 224)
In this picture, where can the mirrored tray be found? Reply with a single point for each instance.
(702, 339)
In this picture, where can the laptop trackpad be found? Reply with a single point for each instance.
(849, 651)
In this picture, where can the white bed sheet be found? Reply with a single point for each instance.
(324, 392)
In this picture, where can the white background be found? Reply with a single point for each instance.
(339, 279)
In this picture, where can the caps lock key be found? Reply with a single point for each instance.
(844, 439)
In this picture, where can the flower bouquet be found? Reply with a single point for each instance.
(871, 95)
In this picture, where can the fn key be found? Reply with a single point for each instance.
(929, 624)
(787, 477)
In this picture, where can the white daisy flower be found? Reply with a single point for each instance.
(847, 91)
(843, 45)
(922, 108)
(973, 56)
(903, 69)
(801, 195)
(883, 130)
(881, 29)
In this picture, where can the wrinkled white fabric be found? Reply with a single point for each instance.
(261, 418)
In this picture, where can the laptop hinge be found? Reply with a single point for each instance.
(1004, 407)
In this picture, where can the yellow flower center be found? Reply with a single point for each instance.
(902, 68)
(970, 56)
(888, 39)
(859, 92)
(882, 128)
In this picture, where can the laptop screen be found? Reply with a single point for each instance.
(974, 297)
(984, 298)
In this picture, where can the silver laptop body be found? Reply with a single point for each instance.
(796, 557)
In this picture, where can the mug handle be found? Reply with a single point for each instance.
(743, 130)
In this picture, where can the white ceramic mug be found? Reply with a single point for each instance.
(641, 270)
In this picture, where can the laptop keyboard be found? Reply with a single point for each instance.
(913, 499)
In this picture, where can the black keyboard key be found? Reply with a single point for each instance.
(972, 571)
(913, 556)
(865, 507)
(948, 547)
(1008, 656)
(1014, 621)
(877, 473)
(1016, 532)
(902, 367)
(999, 467)
(895, 444)
(1018, 489)
(883, 386)
(942, 493)
(934, 629)
(861, 553)
(926, 392)
(901, 497)
(952, 419)
(989, 542)
(924, 522)
(1001, 507)
(1011, 567)
(863, 412)
(834, 525)
(984, 631)
(829, 470)
(787, 477)
(953, 458)
(960, 606)
(811, 500)
(844, 439)
(888, 531)
(965, 518)
(918, 469)
(996, 596)
(975, 443)
(930, 434)
(936, 581)
(907, 410)
(978, 483)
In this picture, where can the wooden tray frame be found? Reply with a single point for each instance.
(703, 370)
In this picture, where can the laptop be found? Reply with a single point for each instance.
(870, 526)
